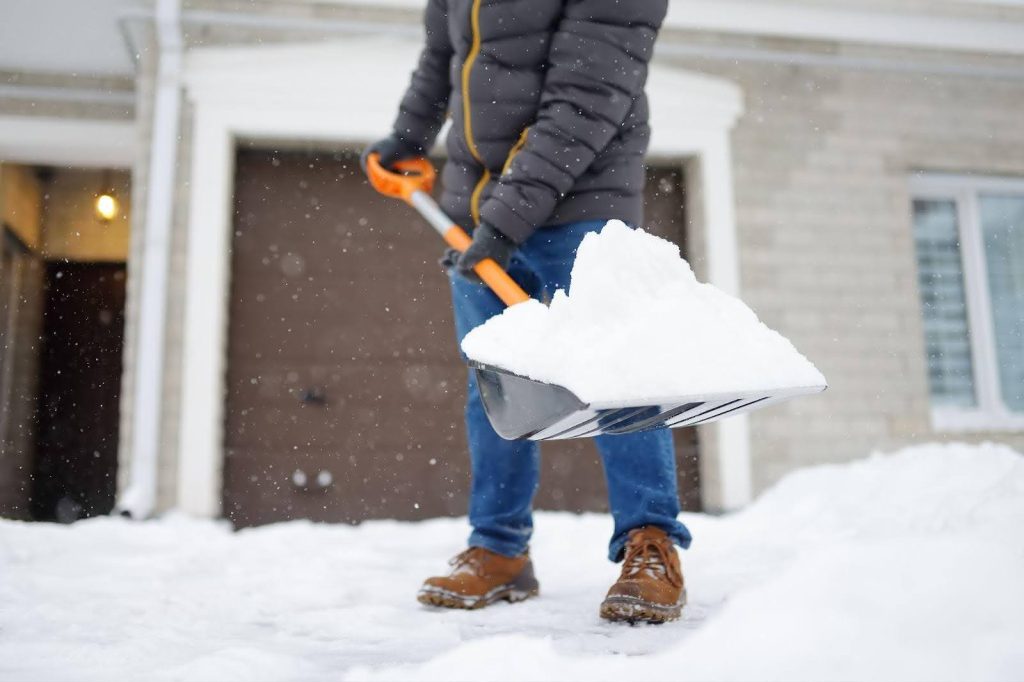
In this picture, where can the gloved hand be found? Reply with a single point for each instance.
(488, 242)
(391, 149)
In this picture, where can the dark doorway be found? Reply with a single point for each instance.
(344, 387)
(79, 391)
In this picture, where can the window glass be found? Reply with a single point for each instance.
(941, 283)
(1002, 226)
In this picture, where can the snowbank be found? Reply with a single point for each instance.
(898, 567)
(635, 325)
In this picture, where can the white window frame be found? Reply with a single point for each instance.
(990, 413)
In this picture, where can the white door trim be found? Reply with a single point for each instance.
(732, 444)
(308, 93)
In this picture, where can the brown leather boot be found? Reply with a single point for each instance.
(650, 588)
(479, 578)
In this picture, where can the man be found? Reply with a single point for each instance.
(549, 131)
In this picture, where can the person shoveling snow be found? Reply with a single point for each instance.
(548, 136)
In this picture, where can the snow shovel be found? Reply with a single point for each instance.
(520, 407)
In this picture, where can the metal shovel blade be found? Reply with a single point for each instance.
(518, 408)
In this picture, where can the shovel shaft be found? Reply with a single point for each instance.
(488, 270)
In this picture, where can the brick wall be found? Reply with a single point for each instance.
(822, 157)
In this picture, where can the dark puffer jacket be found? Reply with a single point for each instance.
(549, 115)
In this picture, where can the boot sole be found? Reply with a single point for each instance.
(633, 610)
(516, 591)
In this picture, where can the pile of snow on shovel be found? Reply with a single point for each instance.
(637, 325)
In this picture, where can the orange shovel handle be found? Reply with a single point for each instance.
(488, 269)
(417, 176)
(413, 185)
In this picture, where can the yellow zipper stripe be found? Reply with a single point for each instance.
(474, 199)
(474, 50)
(467, 118)
(515, 150)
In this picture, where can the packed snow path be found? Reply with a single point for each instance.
(904, 567)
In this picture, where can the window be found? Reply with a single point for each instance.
(969, 237)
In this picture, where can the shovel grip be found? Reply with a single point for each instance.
(488, 270)
(416, 175)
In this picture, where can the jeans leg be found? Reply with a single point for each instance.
(640, 469)
(505, 473)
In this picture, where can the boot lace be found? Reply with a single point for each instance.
(471, 560)
(651, 556)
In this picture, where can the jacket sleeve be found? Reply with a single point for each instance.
(425, 104)
(597, 67)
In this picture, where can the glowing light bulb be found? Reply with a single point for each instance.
(106, 207)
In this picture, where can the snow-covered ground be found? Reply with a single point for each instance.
(900, 567)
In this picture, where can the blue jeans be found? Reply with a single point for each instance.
(640, 468)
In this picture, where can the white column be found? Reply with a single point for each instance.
(200, 456)
(723, 267)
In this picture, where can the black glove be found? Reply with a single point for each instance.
(488, 242)
(391, 149)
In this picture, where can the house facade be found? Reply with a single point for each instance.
(853, 171)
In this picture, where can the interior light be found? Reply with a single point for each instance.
(106, 207)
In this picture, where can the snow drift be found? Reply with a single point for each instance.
(896, 567)
(635, 325)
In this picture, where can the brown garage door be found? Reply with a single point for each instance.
(345, 389)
